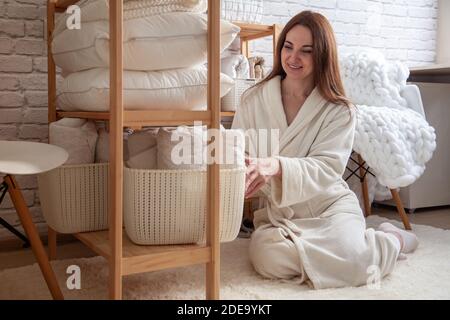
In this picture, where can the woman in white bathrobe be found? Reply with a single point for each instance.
(311, 227)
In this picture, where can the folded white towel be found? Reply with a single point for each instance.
(186, 148)
(233, 144)
(142, 149)
(235, 66)
(181, 148)
(77, 136)
(102, 148)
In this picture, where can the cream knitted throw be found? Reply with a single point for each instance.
(395, 141)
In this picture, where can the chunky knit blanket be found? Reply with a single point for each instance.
(394, 140)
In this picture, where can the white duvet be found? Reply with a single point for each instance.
(394, 140)
(157, 42)
(178, 89)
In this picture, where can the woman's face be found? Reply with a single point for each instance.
(296, 54)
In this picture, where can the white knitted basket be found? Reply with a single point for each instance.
(243, 10)
(74, 198)
(232, 100)
(169, 206)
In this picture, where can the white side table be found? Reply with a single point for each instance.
(26, 158)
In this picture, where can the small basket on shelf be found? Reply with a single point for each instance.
(232, 100)
(74, 198)
(169, 206)
(160, 206)
(249, 11)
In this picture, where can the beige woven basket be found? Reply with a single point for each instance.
(232, 100)
(74, 198)
(169, 206)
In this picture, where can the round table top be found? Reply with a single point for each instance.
(25, 157)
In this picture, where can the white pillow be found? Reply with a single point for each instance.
(95, 10)
(142, 149)
(186, 148)
(179, 89)
(102, 147)
(77, 136)
(181, 148)
(160, 42)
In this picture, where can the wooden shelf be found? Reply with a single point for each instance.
(123, 256)
(224, 114)
(62, 5)
(254, 31)
(431, 70)
(137, 259)
(142, 118)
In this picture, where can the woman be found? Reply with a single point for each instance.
(311, 227)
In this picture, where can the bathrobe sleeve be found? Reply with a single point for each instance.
(303, 178)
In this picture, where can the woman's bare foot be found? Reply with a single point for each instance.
(408, 240)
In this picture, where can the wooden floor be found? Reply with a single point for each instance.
(14, 256)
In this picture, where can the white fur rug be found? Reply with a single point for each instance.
(424, 275)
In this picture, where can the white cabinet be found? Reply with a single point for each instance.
(433, 187)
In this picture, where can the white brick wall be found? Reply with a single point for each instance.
(403, 30)
(23, 88)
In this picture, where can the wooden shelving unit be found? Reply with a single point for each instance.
(123, 256)
(251, 32)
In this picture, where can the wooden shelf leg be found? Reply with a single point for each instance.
(244, 48)
(400, 209)
(52, 243)
(33, 236)
(276, 34)
(116, 149)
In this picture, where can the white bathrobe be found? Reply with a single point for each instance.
(312, 227)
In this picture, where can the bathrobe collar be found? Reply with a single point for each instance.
(311, 107)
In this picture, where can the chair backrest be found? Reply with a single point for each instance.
(411, 94)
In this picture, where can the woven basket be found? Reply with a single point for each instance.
(232, 100)
(169, 206)
(74, 198)
(250, 11)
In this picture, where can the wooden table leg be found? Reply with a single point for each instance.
(52, 243)
(400, 209)
(33, 236)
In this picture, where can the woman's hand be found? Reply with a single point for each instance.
(259, 172)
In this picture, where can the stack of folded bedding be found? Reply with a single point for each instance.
(77, 136)
(183, 148)
(233, 63)
(164, 50)
(167, 148)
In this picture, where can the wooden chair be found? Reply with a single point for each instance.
(26, 158)
(361, 172)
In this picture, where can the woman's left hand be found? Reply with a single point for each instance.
(259, 172)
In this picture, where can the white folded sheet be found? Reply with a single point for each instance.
(77, 136)
(142, 149)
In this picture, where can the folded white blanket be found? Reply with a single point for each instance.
(395, 141)
(77, 136)
(181, 148)
(142, 149)
(102, 148)
(186, 148)
(235, 66)
(95, 10)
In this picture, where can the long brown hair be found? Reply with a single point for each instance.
(326, 66)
